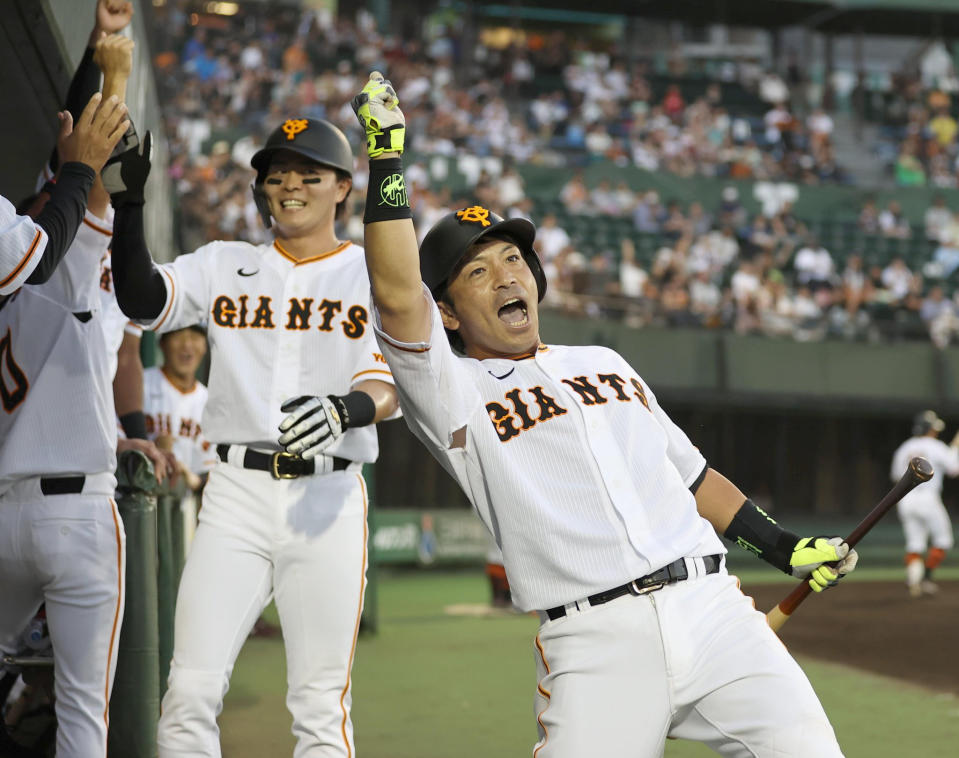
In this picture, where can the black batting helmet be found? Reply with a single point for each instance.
(312, 138)
(447, 242)
(926, 421)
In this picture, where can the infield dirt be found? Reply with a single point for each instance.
(878, 627)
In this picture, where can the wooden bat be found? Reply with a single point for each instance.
(918, 471)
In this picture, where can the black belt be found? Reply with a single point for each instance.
(281, 465)
(62, 485)
(674, 572)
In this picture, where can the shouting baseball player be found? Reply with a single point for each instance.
(61, 539)
(925, 521)
(606, 513)
(296, 384)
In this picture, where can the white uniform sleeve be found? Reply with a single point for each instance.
(683, 454)
(22, 243)
(950, 460)
(188, 281)
(436, 391)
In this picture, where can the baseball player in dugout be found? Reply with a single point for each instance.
(174, 399)
(296, 384)
(606, 513)
(61, 539)
(925, 521)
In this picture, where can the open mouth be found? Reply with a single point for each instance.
(514, 313)
(292, 204)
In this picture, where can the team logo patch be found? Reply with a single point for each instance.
(475, 214)
(393, 191)
(293, 126)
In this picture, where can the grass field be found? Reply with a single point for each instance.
(432, 685)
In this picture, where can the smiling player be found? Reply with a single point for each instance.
(296, 384)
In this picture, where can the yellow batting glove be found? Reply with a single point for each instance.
(824, 560)
(378, 111)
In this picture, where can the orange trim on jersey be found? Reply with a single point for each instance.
(410, 349)
(116, 614)
(171, 294)
(356, 625)
(372, 371)
(321, 256)
(101, 229)
(174, 384)
(23, 261)
(545, 693)
(530, 354)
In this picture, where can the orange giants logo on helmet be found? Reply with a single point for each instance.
(293, 126)
(475, 214)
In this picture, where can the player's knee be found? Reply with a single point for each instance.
(191, 704)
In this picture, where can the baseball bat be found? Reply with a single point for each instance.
(918, 471)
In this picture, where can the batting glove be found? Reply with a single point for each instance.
(825, 560)
(378, 109)
(126, 171)
(313, 425)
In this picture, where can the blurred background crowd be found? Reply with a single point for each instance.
(611, 246)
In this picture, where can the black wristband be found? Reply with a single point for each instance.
(134, 425)
(355, 409)
(754, 530)
(386, 197)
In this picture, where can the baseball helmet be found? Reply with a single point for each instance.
(925, 422)
(446, 243)
(312, 138)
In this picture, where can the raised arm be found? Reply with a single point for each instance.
(392, 255)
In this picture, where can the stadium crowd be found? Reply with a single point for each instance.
(714, 267)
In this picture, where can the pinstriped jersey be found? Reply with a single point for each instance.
(277, 328)
(22, 243)
(171, 411)
(579, 474)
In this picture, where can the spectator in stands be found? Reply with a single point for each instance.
(604, 200)
(936, 218)
(647, 213)
(909, 171)
(820, 126)
(551, 238)
(940, 316)
(705, 300)
(632, 276)
(731, 212)
(809, 322)
(893, 223)
(946, 256)
(814, 266)
(868, 221)
(575, 195)
(898, 280)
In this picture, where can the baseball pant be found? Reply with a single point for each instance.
(301, 541)
(925, 523)
(67, 551)
(694, 660)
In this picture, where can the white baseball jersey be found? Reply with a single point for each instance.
(277, 328)
(22, 243)
(579, 474)
(944, 460)
(59, 417)
(170, 410)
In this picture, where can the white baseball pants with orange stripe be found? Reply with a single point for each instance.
(693, 660)
(68, 551)
(302, 542)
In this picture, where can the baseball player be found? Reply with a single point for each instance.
(61, 539)
(925, 521)
(174, 399)
(296, 384)
(606, 514)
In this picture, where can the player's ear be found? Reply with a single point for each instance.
(450, 320)
(343, 187)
